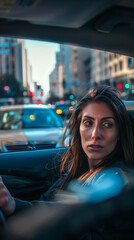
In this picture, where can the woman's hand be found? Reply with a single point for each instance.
(7, 202)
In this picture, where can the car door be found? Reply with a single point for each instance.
(27, 174)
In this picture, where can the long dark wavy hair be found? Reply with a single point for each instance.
(75, 162)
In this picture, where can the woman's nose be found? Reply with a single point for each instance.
(96, 133)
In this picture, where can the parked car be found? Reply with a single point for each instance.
(27, 127)
(98, 24)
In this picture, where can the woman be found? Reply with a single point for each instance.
(100, 138)
(101, 149)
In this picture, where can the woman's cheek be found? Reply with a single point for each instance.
(84, 134)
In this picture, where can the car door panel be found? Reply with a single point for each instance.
(29, 174)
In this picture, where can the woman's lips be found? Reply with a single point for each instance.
(95, 147)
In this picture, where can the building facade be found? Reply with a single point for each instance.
(13, 61)
(112, 69)
(71, 74)
(7, 56)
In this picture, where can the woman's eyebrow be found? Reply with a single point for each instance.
(110, 117)
(104, 118)
(86, 116)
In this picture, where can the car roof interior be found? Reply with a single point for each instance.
(96, 24)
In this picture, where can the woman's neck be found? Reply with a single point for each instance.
(93, 163)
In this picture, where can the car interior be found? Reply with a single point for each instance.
(103, 25)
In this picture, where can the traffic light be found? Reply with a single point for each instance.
(71, 96)
(127, 86)
(62, 101)
(119, 86)
(38, 85)
(6, 88)
(42, 92)
(30, 93)
(33, 97)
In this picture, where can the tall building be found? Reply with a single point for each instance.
(77, 69)
(60, 77)
(29, 77)
(7, 56)
(54, 78)
(65, 52)
(23, 70)
(80, 70)
(13, 61)
(112, 69)
(72, 71)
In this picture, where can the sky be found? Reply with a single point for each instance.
(42, 58)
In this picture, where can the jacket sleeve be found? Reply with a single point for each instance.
(47, 196)
(105, 184)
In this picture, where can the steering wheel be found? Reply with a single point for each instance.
(2, 219)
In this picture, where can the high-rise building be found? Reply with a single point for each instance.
(60, 76)
(112, 69)
(72, 71)
(13, 61)
(7, 56)
(80, 70)
(23, 70)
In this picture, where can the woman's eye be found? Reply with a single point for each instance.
(87, 123)
(108, 125)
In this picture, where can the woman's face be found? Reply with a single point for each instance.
(98, 131)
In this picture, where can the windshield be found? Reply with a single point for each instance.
(29, 118)
(40, 118)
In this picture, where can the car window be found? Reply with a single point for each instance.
(10, 120)
(54, 77)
